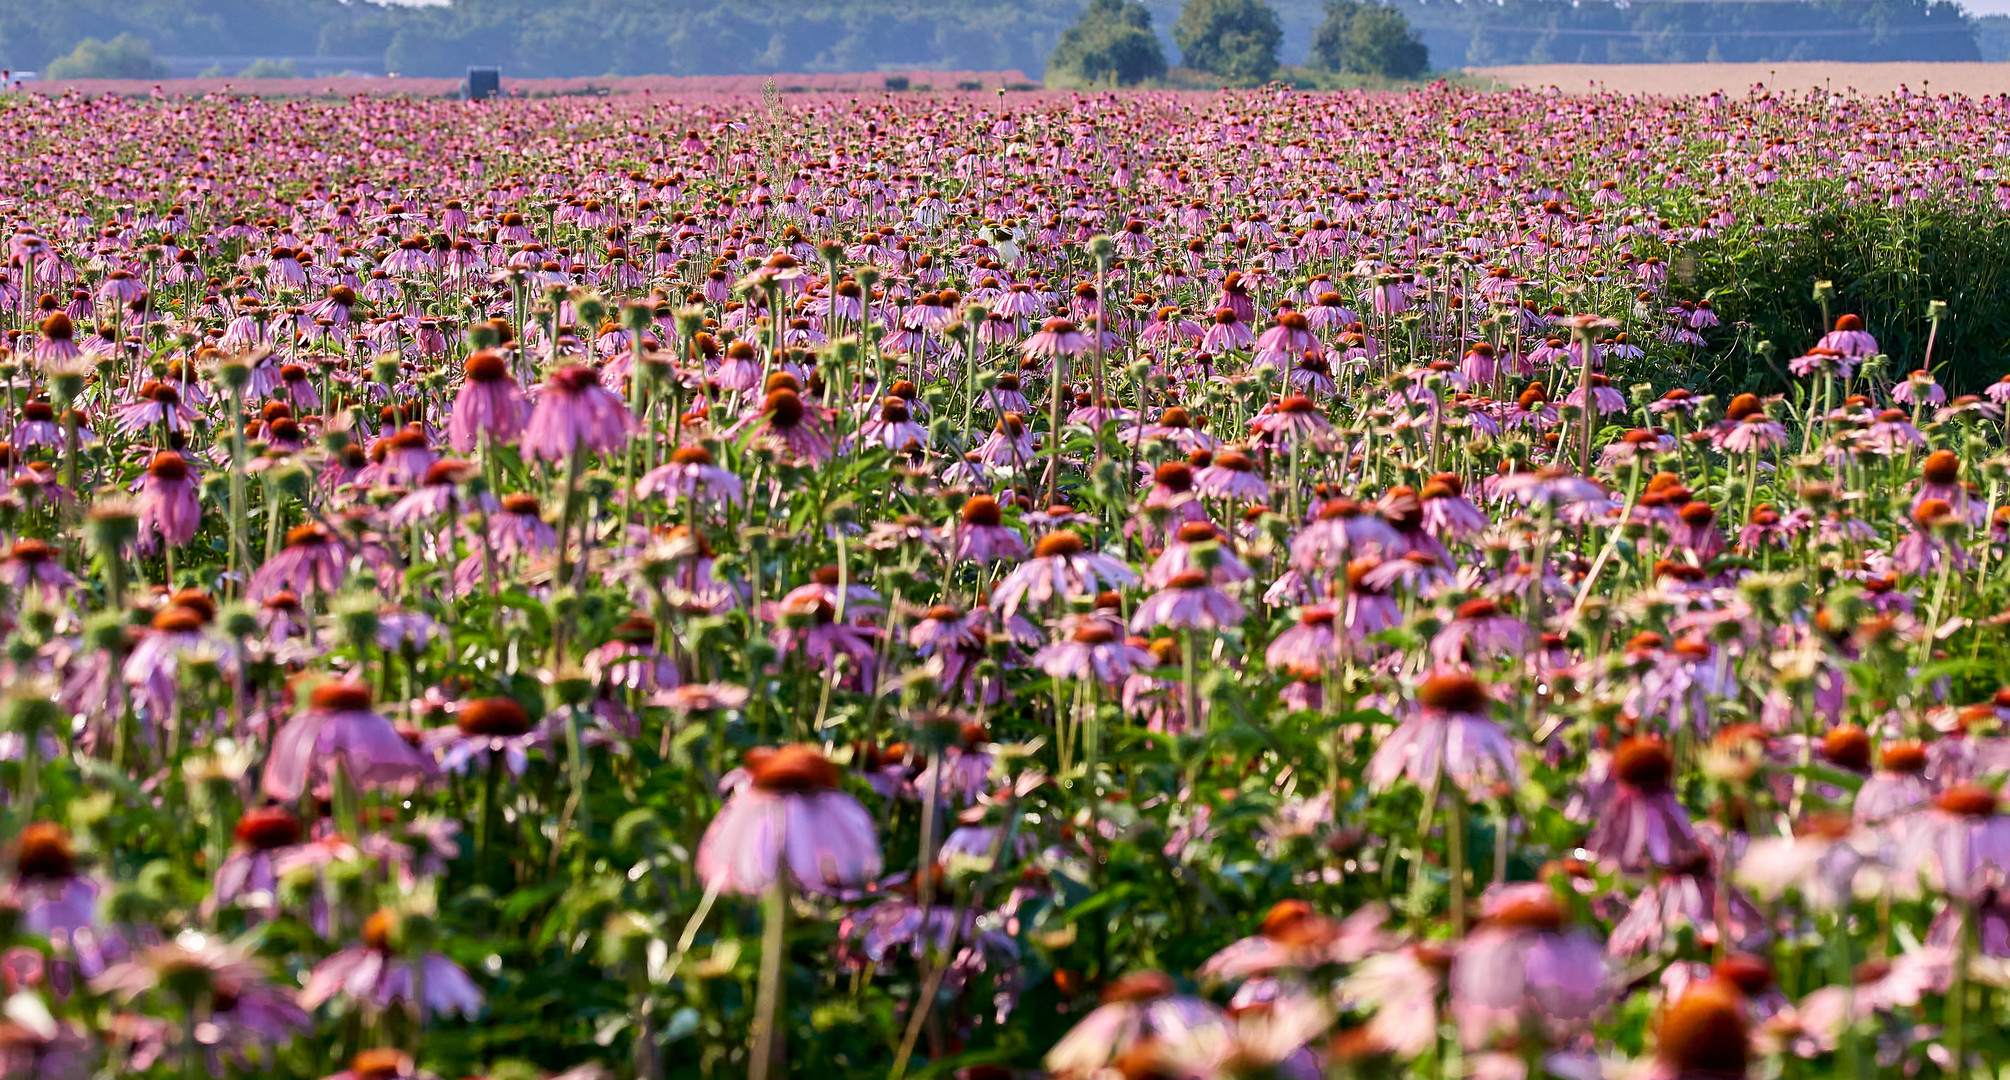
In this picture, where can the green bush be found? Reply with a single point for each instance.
(262, 68)
(1235, 39)
(1887, 266)
(1111, 42)
(123, 57)
(1359, 37)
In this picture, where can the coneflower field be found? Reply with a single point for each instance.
(1134, 587)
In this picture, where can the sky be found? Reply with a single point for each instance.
(1987, 7)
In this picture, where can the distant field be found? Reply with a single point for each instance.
(1963, 78)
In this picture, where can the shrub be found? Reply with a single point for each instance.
(896, 82)
(123, 57)
(1886, 267)
(262, 68)
(1112, 42)
(1366, 38)
(1235, 39)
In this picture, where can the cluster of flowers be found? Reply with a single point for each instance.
(658, 587)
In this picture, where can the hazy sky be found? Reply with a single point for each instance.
(1987, 7)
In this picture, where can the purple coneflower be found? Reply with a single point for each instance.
(575, 414)
(339, 729)
(168, 505)
(1187, 602)
(694, 474)
(980, 535)
(1139, 1014)
(312, 562)
(1525, 969)
(375, 975)
(481, 728)
(489, 404)
(1062, 565)
(789, 816)
(1448, 736)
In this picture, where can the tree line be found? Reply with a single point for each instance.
(1068, 42)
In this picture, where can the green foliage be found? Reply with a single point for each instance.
(1112, 42)
(268, 69)
(1364, 38)
(1887, 265)
(1481, 32)
(1235, 39)
(586, 38)
(123, 57)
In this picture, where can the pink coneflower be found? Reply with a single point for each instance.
(1006, 396)
(792, 426)
(246, 878)
(1891, 433)
(1231, 474)
(1342, 529)
(1290, 335)
(1062, 565)
(311, 562)
(159, 404)
(58, 341)
(1898, 785)
(36, 566)
(489, 404)
(1447, 513)
(375, 975)
(1294, 937)
(1849, 338)
(1093, 649)
(1197, 546)
(1643, 825)
(1294, 420)
(1695, 530)
(1687, 899)
(692, 473)
(631, 659)
(1056, 337)
(1479, 632)
(575, 414)
(482, 728)
(893, 428)
(168, 506)
(338, 728)
(381, 1064)
(1959, 842)
(1448, 736)
(806, 623)
(1139, 1017)
(1188, 602)
(1704, 1035)
(53, 897)
(979, 533)
(1940, 478)
(1010, 444)
(1310, 643)
(1226, 332)
(789, 816)
(1525, 968)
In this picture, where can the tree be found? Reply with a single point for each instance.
(270, 69)
(123, 57)
(1235, 39)
(1362, 37)
(1112, 41)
